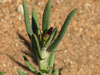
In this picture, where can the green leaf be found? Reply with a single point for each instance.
(51, 61)
(46, 16)
(51, 37)
(21, 73)
(62, 31)
(26, 18)
(36, 46)
(33, 47)
(1, 73)
(56, 72)
(35, 22)
(29, 65)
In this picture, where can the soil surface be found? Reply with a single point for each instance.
(80, 45)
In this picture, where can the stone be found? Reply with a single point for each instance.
(20, 9)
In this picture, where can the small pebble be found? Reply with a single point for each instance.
(81, 11)
(62, 0)
(57, 1)
(20, 9)
(72, 4)
(68, 35)
(39, 3)
(64, 61)
(65, 51)
(15, 67)
(91, 56)
(70, 62)
(81, 29)
(19, 18)
(4, 65)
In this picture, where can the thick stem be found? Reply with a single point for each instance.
(43, 64)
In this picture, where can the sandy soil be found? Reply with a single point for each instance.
(81, 44)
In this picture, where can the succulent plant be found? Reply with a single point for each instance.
(43, 41)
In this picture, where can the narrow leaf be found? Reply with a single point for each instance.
(21, 73)
(26, 18)
(35, 43)
(33, 47)
(46, 16)
(51, 61)
(62, 31)
(29, 65)
(35, 22)
(51, 37)
(56, 72)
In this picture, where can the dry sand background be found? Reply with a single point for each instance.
(81, 42)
